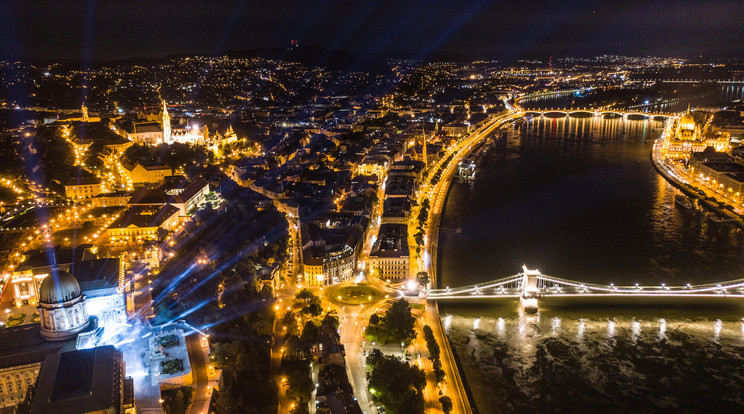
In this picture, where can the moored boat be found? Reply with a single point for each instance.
(683, 201)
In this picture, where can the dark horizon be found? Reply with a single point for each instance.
(83, 30)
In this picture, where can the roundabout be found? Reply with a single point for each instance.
(356, 294)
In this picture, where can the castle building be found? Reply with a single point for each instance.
(188, 134)
(61, 307)
(157, 129)
(144, 133)
(54, 291)
(71, 314)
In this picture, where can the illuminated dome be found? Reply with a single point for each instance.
(687, 119)
(59, 287)
(61, 307)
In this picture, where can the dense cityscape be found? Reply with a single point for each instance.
(258, 231)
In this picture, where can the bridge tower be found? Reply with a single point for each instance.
(530, 291)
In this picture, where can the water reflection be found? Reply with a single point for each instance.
(710, 96)
(636, 330)
(556, 324)
(579, 198)
(604, 362)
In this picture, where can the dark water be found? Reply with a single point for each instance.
(709, 96)
(580, 199)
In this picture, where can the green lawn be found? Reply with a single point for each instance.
(16, 319)
(417, 306)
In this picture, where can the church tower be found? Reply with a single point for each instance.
(85, 113)
(424, 148)
(166, 124)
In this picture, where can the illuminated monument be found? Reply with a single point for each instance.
(74, 313)
(166, 124)
(687, 136)
(61, 307)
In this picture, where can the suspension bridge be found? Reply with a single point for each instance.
(531, 285)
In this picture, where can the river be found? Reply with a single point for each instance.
(709, 95)
(579, 198)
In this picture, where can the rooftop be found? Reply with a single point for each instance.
(23, 345)
(392, 241)
(144, 216)
(81, 381)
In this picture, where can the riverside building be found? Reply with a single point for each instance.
(389, 258)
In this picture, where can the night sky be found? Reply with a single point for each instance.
(118, 29)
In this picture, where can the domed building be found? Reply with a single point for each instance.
(61, 307)
(688, 137)
(76, 311)
(686, 128)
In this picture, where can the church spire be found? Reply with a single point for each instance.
(166, 124)
(423, 130)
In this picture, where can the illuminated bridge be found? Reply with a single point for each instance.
(531, 285)
(594, 112)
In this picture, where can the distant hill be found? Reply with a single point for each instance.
(313, 56)
(307, 55)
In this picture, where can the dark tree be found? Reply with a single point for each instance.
(305, 294)
(398, 321)
(398, 385)
(423, 278)
(310, 334)
(446, 404)
(374, 356)
(300, 385)
(330, 319)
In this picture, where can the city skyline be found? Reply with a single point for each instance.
(314, 207)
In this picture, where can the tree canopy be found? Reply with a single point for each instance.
(397, 385)
(396, 325)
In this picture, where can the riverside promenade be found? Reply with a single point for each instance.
(454, 387)
(676, 178)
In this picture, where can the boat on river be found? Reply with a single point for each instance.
(683, 201)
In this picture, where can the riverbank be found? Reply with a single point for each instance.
(578, 197)
(688, 189)
(450, 364)
(463, 399)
